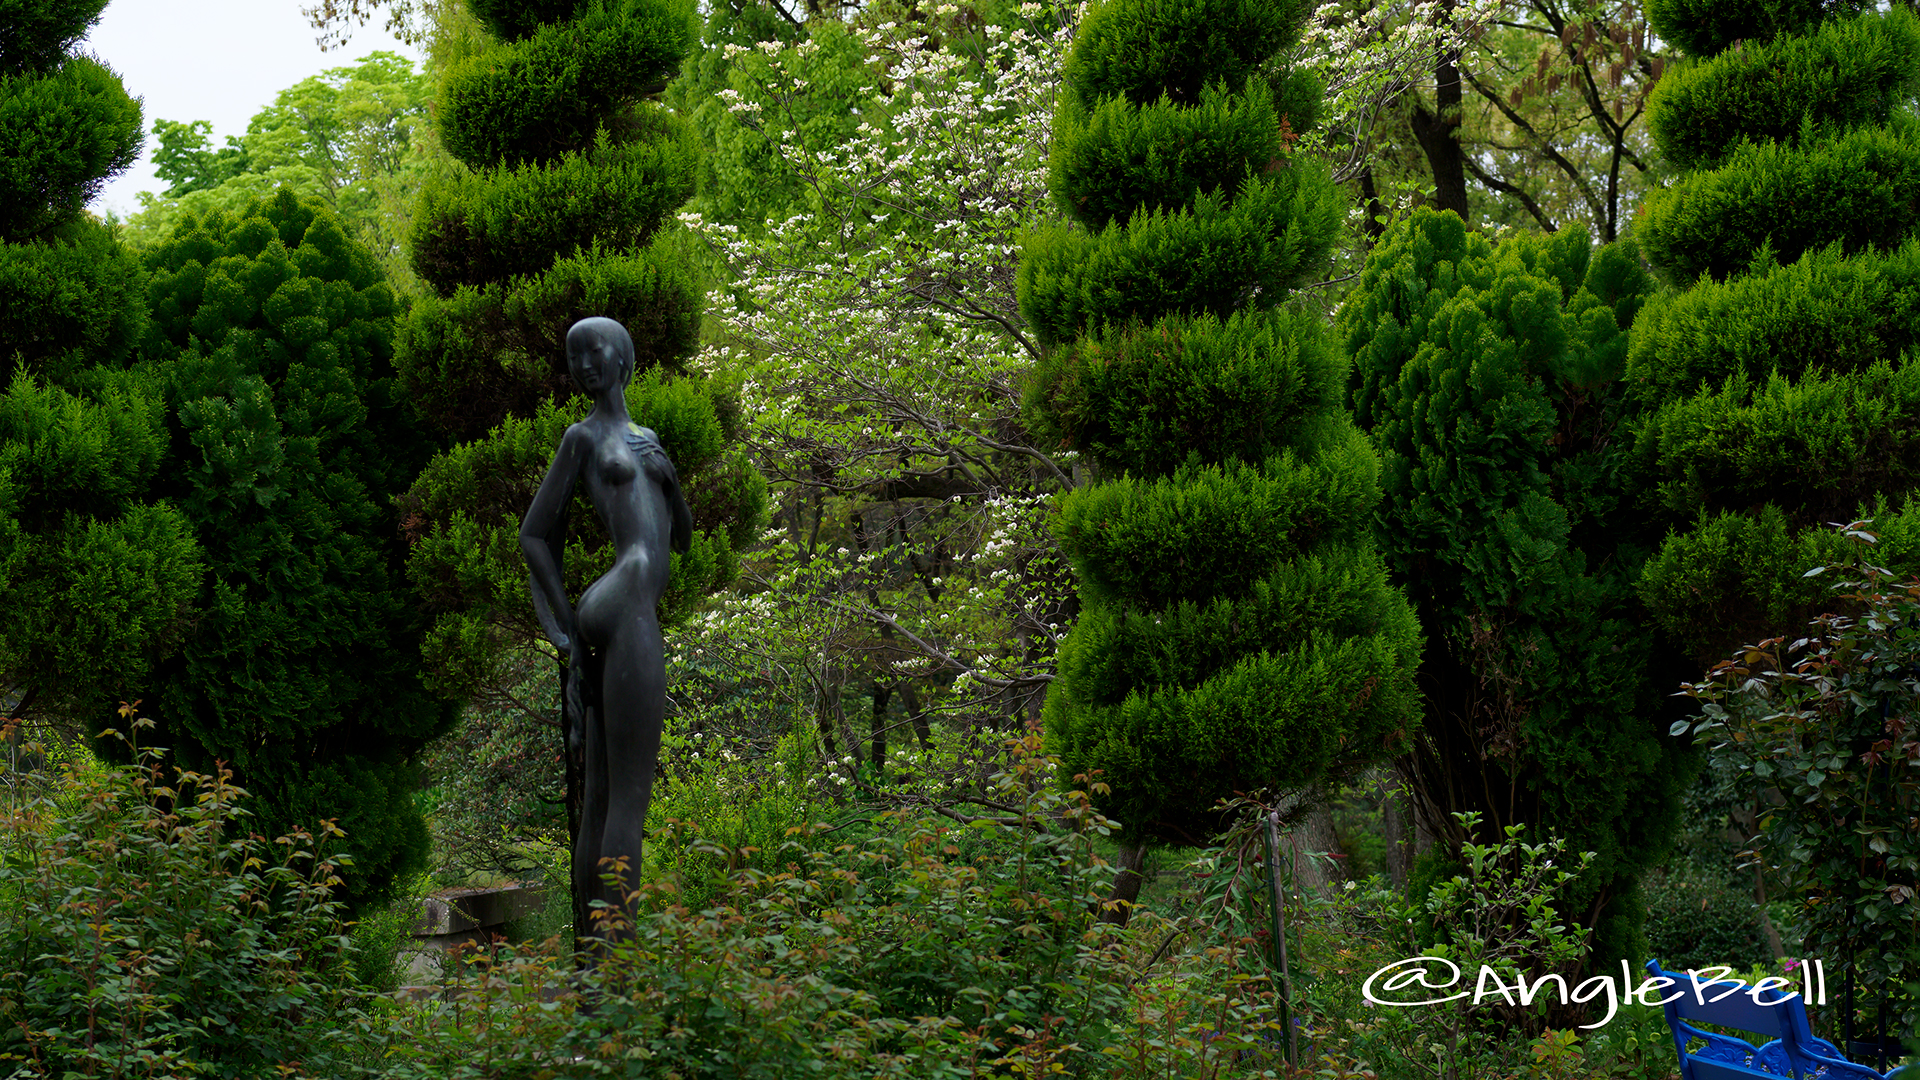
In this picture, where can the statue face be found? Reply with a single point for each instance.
(595, 358)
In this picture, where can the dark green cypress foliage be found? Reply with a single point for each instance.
(572, 172)
(66, 123)
(1237, 630)
(1776, 384)
(272, 337)
(96, 578)
(69, 294)
(1489, 378)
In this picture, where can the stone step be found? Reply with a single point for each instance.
(476, 909)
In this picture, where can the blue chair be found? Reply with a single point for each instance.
(1793, 1050)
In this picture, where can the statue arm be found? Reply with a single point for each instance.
(546, 513)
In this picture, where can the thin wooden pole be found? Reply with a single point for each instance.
(1280, 935)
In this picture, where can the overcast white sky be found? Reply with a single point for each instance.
(215, 60)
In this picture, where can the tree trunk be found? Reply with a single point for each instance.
(1313, 835)
(1376, 210)
(1126, 883)
(825, 719)
(1438, 133)
(1397, 821)
(877, 729)
(917, 713)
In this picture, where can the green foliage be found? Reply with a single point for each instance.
(184, 160)
(74, 299)
(1829, 442)
(498, 350)
(509, 20)
(1142, 401)
(533, 99)
(1695, 921)
(487, 226)
(744, 180)
(272, 339)
(1830, 309)
(1637, 1045)
(1207, 531)
(36, 35)
(100, 581)
(1773, 391)
(1847, 73)
(376, 940)
(1774, 201)
(64, 129)
(150, 931)
(1498, 909)
(1225, 250)
(925, 948)
(1827, 721)
(354, 137)
(1237, 629)
(1736, 569)
(1705, 27)
(98, 578)
(1111, 162)
(1146, 52)
(1490, 379)
(66, 125)
(495, 797)
(1138, 702)
(742, 809)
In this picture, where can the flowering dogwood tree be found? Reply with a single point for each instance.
(880, 347)
(877, 333)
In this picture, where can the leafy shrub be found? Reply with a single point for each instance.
(1497, 909)
(896, 954)
(743, 806)
(147, 933)
(1827, 721)
(1636, 1045)
(1695, 921)
(377, 937)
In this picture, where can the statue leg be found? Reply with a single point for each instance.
(633, 704)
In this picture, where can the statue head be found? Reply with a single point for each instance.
(598, 348)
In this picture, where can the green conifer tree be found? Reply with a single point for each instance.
(1779, 382)
(272, 340)
(1489, 377)
(1237, 630)
(96, 578)
(571, 172)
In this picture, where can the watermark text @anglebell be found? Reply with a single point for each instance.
(1416, 980)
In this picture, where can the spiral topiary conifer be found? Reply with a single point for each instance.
(96, 577)
(69, 293)
(1780, 383)
(572, 170)
(1237, 630)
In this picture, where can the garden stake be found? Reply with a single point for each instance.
(1280, 934)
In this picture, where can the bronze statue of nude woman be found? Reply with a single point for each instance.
(616, 690)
